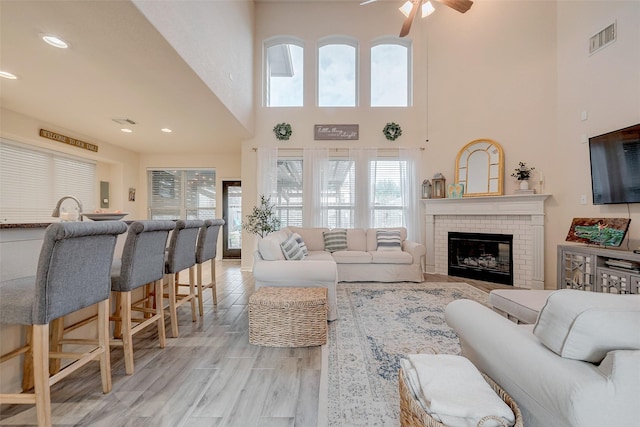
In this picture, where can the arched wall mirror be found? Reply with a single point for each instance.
(480, 167)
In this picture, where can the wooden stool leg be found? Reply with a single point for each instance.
(199, 285)
(173, 312)
(41, 374)
(57, 333)
(117, 324)
(103, 341)
(192, 292)
(159, 308)
(213, 281)
(127, 338)
(27, 367)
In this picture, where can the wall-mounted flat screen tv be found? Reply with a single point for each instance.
(615, 166)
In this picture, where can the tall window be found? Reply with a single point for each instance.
(337, 72)
(182, 193)
(284, 76)
(289, 192)
(386, 180)
(381, 188)
(341, 194)
(390, 73)
(32, 181)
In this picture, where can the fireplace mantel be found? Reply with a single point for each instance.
(496, 210)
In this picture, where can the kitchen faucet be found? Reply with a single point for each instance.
(56, 210)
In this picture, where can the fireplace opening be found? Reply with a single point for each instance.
(481, 256)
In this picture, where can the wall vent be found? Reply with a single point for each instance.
(602, 39)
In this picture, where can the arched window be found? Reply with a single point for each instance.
(337, 72)
(391, 72)
(284, 72)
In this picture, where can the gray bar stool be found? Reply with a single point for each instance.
(206, 249)
(74, 272)
(181, 256)
(142, 263)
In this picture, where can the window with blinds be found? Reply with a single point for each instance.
(33, 180)
(182, 194)
(341, 194)
(289, 193)
(387, 177)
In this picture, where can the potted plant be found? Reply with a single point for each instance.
(262, 220)
(522, 173)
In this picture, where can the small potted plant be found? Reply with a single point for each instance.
(522, 173)
(263, 219)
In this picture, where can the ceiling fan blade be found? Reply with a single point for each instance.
(406, 26)
(460, 5)
(367, 2)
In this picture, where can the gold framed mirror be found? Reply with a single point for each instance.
(480, 167)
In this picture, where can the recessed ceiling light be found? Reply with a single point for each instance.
(125, 130)
(55, 41)
(7, 75)
(166, 130)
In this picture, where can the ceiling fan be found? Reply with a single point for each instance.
(410, 10)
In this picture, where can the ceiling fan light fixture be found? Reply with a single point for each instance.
(8, 75)
(54, 41)
(406, 8)
(427, 9)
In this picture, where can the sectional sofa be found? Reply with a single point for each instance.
(367, 255)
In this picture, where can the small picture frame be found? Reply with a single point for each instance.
(455, 191)
(132, 194)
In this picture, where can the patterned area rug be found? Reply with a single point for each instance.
(380, 323)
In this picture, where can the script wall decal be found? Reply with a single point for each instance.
(336, 132)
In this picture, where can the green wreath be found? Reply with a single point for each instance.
(392, 131)
(283, 131)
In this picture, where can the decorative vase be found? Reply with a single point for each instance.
(524, 184)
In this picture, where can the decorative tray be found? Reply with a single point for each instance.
(105, 216)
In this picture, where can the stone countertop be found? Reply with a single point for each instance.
(40, 224)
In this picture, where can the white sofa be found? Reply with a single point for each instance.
(579, 365)
(360, 262)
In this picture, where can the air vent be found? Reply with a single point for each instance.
(124, 121)
(602, 39)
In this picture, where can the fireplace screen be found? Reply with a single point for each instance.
(481, 256)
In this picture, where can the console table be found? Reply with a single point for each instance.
(596, 269)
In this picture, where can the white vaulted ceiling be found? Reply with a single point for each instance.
(118, 66)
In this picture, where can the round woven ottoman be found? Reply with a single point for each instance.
(288, 317)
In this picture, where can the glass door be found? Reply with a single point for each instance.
(232, 215)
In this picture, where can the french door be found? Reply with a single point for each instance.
(232, 215)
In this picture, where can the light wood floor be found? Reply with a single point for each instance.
(209, 376)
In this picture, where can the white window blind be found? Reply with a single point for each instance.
(182, 193)
(33, 180)
(387, 177)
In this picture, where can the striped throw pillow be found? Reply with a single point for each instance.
(335, 240)
(291, 249)
(389, 240)
(301, 243)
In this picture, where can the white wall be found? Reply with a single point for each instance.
(216, 39)
(116, 165)
(517, 72)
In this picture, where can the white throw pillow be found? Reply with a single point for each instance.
(301, 243)
(291, 248)
(584, 325)
(389, 240)
(269, 246)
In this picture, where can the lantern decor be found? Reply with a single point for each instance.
(426, 189)
(439, 190)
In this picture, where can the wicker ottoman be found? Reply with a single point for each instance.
(288, 317)
(413, 415)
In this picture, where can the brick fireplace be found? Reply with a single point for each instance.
(521, 216)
